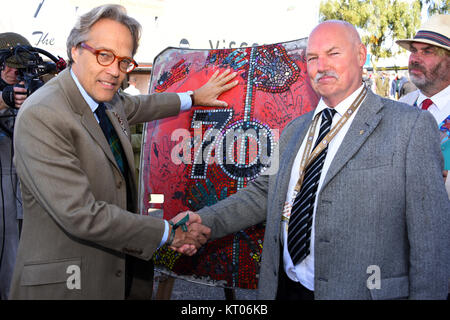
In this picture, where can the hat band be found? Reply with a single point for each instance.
(433, 36)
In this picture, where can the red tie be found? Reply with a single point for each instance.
(426, 104)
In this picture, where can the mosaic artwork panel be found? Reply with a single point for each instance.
(207, 154)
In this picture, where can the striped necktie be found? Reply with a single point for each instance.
(111, 136)
(300, 222)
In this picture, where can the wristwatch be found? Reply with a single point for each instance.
(191, 94)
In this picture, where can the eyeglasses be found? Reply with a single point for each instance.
(106, 58)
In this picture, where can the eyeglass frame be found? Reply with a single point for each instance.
(97, 52)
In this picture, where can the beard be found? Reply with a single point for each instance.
(429, 78)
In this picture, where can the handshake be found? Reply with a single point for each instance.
(189, 237)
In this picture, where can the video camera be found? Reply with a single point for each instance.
(33, 66)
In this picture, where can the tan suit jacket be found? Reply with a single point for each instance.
(76, 231)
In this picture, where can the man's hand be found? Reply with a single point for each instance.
(14, 96)
(190, 241)
(20, 94)
(193, 217)
(445, 174)
(218, 83)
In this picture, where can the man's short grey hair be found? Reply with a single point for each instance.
(442, 52)
(118, 13)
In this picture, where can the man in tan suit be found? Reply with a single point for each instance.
(81, 238)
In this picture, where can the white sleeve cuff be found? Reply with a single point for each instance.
(165, 235)
(186, 102)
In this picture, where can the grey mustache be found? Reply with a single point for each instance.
(319, 75)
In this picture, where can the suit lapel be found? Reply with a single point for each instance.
(90, 123)
(124, 140)
(288, 156)
(364, 123)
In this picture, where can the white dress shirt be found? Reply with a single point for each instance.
(440, 109)
(304, 271)
(131, 89)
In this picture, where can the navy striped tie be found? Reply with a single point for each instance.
(300, 222)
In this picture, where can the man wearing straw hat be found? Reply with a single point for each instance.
(429, 65)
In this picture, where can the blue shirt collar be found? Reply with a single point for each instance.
(91, 102)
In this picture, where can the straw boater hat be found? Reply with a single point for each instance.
(435, 31)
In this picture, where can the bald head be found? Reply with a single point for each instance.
(335, 58)
(347, 29)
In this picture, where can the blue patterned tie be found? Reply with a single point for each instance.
(300, 222)
(111, 136)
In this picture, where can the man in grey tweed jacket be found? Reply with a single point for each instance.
(381, 218)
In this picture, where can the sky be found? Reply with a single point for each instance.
(200, 24)
(204, 24)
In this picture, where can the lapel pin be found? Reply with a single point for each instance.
(361, 132)
(122, 126)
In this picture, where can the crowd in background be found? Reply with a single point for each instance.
(389, 84)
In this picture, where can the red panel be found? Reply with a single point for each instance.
(194, 166)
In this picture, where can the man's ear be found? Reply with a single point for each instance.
(75, 53)
(362, 55)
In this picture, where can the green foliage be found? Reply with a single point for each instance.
(436, 6)
(380, 22)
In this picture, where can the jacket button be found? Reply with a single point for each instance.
(119, 184)
(118, 273)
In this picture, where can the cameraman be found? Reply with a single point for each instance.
(12, 95)
(11, 98)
